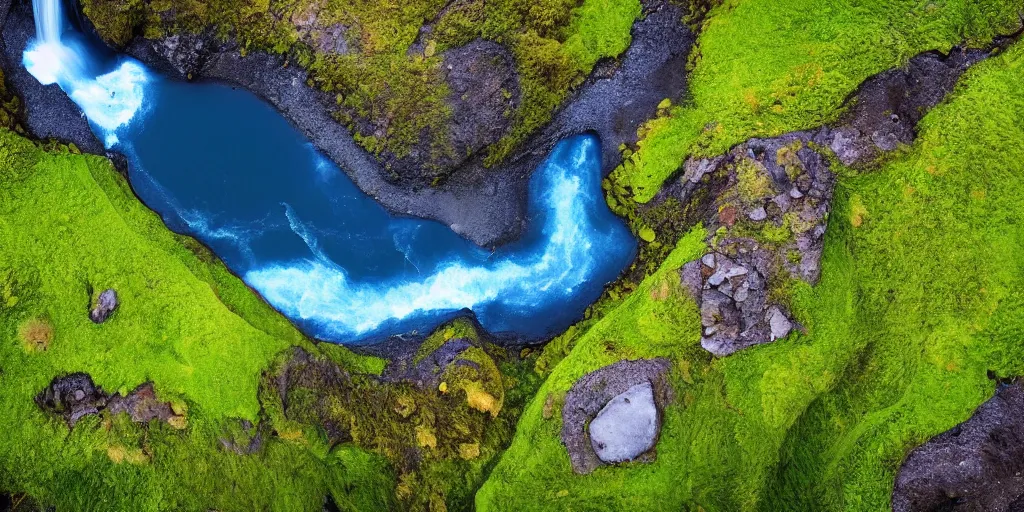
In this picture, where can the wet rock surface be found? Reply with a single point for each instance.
(75, 396)
(624, 430)
(770, 200)
(627, 426)
(105, 306)
(975, 466)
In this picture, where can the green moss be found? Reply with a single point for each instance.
(915, 306)
(753, 182)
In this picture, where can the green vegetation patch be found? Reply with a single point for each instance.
(920, 298)
(766, 67)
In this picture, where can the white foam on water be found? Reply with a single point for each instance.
(323, 294)
(110, 100)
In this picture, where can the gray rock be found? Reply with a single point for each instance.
(626, 427)
(593, 393)
(105, 306)
(779, 323)
(758, 214)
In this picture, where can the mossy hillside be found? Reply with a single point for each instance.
(939, 267)
(919, 299)
(763, 68)
(70, 227)
(389, 83)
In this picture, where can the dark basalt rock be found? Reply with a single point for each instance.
(975, 466)
(771, 199)
(72, 397)
(105, 306)
(594, 391)
(75, 396)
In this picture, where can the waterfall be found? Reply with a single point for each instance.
(109, 99)
(49, 20)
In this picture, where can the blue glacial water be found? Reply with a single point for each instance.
(219, 164)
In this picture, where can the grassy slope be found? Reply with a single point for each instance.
(919, 298)
(68, 223)
(767, 67)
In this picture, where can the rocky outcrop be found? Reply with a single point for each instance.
(613, 414)
(627, 427)
(977, 465)
(75, 396)
(770, 200)
(483, 94)
(105, 306)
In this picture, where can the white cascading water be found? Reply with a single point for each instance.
(110, 100)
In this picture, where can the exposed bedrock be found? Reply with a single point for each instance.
(766, 201)
(975, 466)
(486, 205)
(74, 396)
(613, 414)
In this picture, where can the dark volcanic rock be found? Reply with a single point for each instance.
(72, 397)
(186, 53)
(976, 466)
(141, 405)
(49, 113)
(105, 306)
(888, 106)
(592, 394)
(75, 396)
(771, 198)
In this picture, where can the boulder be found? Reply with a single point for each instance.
(72, 397)
(105, 306)
(627, 427)
(613, 414)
